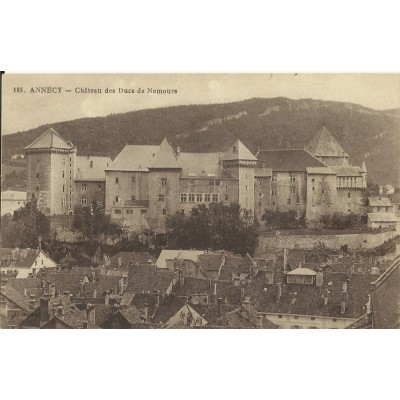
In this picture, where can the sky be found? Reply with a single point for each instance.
(25, 110)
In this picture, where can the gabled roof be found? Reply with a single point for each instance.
(165, 157)
(238, 151)
(123, 259)
(177, 254)
(287, 160)
(346, 170)
(320, 171)
(200, 164)
(15, 297)
(379, 202)
(302, 271)
(90, 168)
(50, 140)
(134, 158)
(324, 144)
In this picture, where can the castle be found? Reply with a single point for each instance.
(144, 184)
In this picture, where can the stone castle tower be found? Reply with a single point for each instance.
(51, 172)
(240, 162)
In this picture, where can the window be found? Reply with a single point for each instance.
(182, 211)
(133, 197)
(349, 195)
(70, 187)
(99, 185)
(192, 181)
(133, 180)
(260, 194)
(37, 176)
(183, 197)
(323, 191)
(163, 181)
(207, 197)
(160, 197)
(313, 189)
(217, 182)
(117, 211)
(273, 203)
(116, 199)
(63, 188)
(70, 160)
(289, 201)
(211, 182)
(116, 180)
(70, 172)
(215, 197)
(191, 197)
(293, 190)
(334, 320)
(312, 318)
(129, 211)
(143, 213)
(83, 200)
(63, 202)
(199, 197)
(63, 174)
(84, 188)
(274, 178)
(164, 211)
(296, 317)
(273, 192)
(280, 316)
(42, 262)
(260, 183)
(292, 177)
(226, 197)
(313, 180)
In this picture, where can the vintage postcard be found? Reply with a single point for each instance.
(202, 201)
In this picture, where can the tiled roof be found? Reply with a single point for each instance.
(287, 160)
(146, 278)
(134, 158)
(50, 139)
(199, 286)
(262, 172)
(210, 262)
(386, 298)
(90, 168)
(169, 307)
(347, 170)
(66, 282)
(324, 144)
(320, 170)
(379, 202)
(104, 284)
(165, 157)
(124, 258)
(383, 217)
(238, 151)
(200, 164)
(131, 315)
(180, 254)
(309, 299)
(15, 296)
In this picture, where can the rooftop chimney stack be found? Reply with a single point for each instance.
(259, 321)
(279, 292)
(285, 254)
(369, 305)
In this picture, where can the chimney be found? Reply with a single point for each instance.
(25, 292)
(158, 298)
(285, 254)
(215, 288)
(319, 279)
(91, 314)
(39, 249)
(146, 311)
(369, 305)
(241, 294)
(345, 286)
(60, 311)
(94, 293)
(44, 309)
(107, 298)
(279, 292)
(259, 321)
(219, 301)
(119, 261)
(343, 302)
(299, 262)
(326, 297)
(32, 302)
(121, 285)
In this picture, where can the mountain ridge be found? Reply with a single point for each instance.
(260, 123)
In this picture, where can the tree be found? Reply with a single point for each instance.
(282, 219)
(340, 221)
(25, 227)
(93, 224)
(217, 226)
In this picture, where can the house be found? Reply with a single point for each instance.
(380, 220)
(25, 262)
(124, 259)
(12, 201)
(172, 255)
(379, 205)
(304, 298)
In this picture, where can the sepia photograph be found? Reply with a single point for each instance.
(200, 201)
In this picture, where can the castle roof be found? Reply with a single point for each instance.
(346, 170)
(165, 157)
(50, 140)
(238, 151)
(89, 168)
(324, 144)
(200, 164)
(288, 160)
(134, 158)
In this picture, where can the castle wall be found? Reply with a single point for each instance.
(321, 195)
(86, 192)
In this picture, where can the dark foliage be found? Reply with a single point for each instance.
(218, 226)
(282, 220)
(340, 221)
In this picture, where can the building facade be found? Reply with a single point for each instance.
(146, 183)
